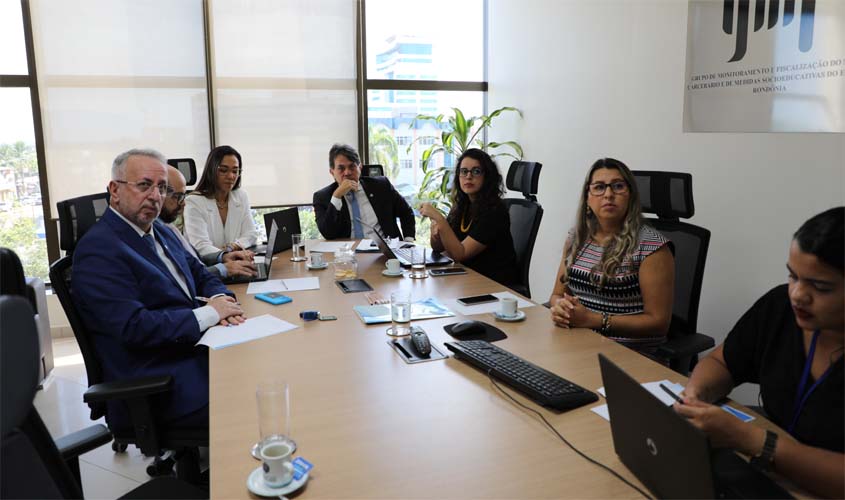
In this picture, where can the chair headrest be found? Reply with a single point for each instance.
(666, 194)
(18, 361)
(77, 215)
(524, 176)
(187, 166)
(374, 170)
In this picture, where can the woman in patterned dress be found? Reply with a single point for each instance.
(617, 274)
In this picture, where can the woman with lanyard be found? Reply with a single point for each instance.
(791, 343)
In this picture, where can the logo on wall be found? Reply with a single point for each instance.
(805, 33)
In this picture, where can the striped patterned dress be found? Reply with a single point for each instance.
(621, 295)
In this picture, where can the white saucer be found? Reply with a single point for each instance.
(325, 265)
(255, 484)
(519, 316)
(392, 275)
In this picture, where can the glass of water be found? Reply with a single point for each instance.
(418, 263)
(273, 398)
(298, 248)
(400, 313)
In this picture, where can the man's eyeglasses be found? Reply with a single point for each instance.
(146, 186)
(227, 171)
(177, 197)
(599, 188)
(475, 171)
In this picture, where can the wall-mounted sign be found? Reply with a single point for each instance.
(765, 66)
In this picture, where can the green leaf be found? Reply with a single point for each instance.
(515, 145)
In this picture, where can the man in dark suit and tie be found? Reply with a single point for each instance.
(145, 300)
(374, 200)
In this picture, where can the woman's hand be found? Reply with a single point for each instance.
(568, 312)
(723, 429)
(233, 247)
(427, 210)
(435, 234)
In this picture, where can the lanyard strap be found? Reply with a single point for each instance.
(801, 396)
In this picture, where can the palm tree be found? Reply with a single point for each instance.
(21, 158)
(384, 150)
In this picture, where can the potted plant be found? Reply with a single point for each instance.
(458, 134)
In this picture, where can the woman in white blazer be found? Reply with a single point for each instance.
(217, 214)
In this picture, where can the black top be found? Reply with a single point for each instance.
(498, 260)
(767, 347)
(387, 203)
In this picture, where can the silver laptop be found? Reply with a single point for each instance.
(262, 269)
(403, 255)
(667, 453)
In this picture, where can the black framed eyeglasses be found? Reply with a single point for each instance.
(475, 171)
(178, 197)
(598, 188)
(146, 186)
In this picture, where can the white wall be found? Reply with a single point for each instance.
(599, 78)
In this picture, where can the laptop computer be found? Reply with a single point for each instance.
(403, 255)
(667, 453)
(288, 223)
(262, 269)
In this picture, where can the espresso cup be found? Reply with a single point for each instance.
(276, 463)
(316, 259)
(508, 307)
(393, 266)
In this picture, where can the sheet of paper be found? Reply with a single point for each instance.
(601, 410)
(366, 244)
(283, 285)
(329, 246)
(488, 307)
(218, 337)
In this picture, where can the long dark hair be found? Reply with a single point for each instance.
(823, 236)
(208, 182)
(487, 199)
(12, 278)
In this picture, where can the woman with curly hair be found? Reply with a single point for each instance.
(477, 231)
(617, 274)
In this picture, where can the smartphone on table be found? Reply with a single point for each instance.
(446, 271)
(477, 299)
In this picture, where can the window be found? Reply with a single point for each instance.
(285, 91)
(138, 89)
(22, 225)
(402, 140)
(407, 164)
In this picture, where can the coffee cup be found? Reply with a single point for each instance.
(316, 259)
(393, 266)
(276, 463)
(508, 307)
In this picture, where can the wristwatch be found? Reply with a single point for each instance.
(766, 458)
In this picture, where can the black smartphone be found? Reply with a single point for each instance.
(477, 299)
(446, 271)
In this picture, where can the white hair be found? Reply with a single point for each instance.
(118, 166)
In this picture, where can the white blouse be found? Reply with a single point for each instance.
(207, 232)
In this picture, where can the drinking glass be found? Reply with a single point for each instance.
(418, 263)
(273, 399)
(298, 248)
(400, 313)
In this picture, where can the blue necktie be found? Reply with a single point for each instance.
(151, 242)
(357, 230)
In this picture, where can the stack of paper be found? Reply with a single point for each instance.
(218, 337)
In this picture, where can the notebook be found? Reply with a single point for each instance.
(262, 269)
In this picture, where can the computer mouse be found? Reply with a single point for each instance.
(467, 327)
(419, 342)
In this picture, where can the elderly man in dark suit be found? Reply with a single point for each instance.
(373, 200)
(144, 299)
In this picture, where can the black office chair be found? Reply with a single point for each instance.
(372, 171)
(669, 196)
(187, 166)
(526, 215)
(77, 215)
(170, 446)
(32, 464)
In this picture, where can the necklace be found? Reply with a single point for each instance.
(222, 205)
(465, 229)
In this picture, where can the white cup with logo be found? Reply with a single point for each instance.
(277, 465)
(507, 307)
(393, 266)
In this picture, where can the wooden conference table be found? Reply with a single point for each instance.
(376, 427)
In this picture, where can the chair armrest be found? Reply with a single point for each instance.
(128, 389)
(79, 442)
(685, 345)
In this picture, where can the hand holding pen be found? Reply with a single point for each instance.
(227, 308)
